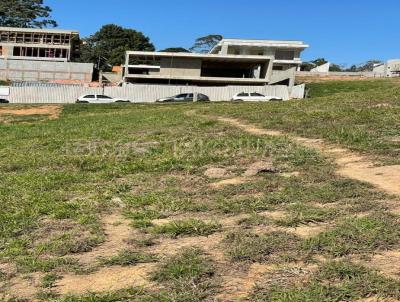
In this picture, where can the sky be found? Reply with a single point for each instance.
(344, 32)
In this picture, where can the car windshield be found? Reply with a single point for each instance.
(243, 94)
(89, 97)
(256, 94)
(181, 96)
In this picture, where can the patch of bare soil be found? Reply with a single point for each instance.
(249, 128)
(237, 283)
(229, 182)
(23, 287)
(308, 231)
(52, 111)
(350, 164)
(377, 299)
(117, 231)
(291, 174)
(394, 206)
(395, 139)
(274, 214)
(105, 280)
(381, 105)
(252, 171)
(388, 263)
(303, 231)
(216, 173)
(260, 167)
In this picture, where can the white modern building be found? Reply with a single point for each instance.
(389, 69)
(230, 62)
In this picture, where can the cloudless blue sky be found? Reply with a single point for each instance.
(343, 31)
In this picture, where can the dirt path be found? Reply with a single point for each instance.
(53, 111)
(350, 164)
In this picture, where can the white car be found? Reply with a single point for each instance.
(100, 99)
(254, 97)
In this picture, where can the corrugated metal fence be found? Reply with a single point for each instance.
(64, 94)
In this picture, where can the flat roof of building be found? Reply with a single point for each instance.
(199, 56)
(262, 43)
(39, 30)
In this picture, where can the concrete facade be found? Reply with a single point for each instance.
(389, 69)
(230, 62)
(30, 54)
(36, 71)
(38, 44)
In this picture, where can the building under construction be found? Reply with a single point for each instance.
(30, 54)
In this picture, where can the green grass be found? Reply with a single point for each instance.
(189, 227)
(48, 280)
(301, 213)
(59, 177)
(358, 235)
(349, 113)
(247, 246)
(334, 282)
(190, 276)
(127, 258)
(255, 220)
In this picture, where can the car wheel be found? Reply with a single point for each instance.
(238, 100)
(82, 102)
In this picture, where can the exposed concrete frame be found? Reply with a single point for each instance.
(259, 60)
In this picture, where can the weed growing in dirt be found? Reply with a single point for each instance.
(358, 235)
(247, 246)
(335, 281)
(128, 257)
(189, 227)
(189, 275)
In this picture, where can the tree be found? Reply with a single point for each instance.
(335, 68)
(367, 66)
(109, 44)
(319, 61)
(175, 49)
(25, 13)
(205, 44)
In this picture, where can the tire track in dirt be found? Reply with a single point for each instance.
(350, 164)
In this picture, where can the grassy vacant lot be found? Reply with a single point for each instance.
(361, 115)
(162, 203)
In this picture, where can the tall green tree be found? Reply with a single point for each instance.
(175, 49)
(109, 44)
(205, 44)
(25, 13)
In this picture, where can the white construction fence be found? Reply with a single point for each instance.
(28, 93)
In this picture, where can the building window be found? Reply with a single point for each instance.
(277, 67)
(284, 55)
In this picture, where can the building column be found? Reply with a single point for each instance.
(224, 49)
(270, 69)
(126, 71)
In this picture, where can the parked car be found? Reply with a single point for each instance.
(184, 97)
(100, 99)
(254, 97)
(4, 101)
